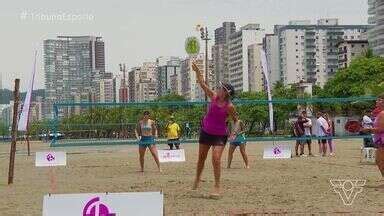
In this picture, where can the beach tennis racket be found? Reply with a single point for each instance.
(353, 126)
(192, 46)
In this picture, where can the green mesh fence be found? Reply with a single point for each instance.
(92, 124)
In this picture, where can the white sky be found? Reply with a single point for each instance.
(137, 31)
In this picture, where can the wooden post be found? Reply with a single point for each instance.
(27, 132)
(28, 145)
(14, 132)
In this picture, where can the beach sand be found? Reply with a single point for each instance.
(291, 186)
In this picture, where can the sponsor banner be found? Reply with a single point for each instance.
(51, 159)
(171, 155)
(106, 204)
(277, 151)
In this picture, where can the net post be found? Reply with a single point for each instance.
(14, 132)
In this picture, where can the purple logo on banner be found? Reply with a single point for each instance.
(276, 150)
(93, 208)
(50, 157)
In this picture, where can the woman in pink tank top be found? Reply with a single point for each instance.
(378, 131)
(214, 131)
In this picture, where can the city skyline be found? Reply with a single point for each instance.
(144, 30)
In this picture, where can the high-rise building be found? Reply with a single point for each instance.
(256, 78)
(376, 33)
(189, 87)
(6, 117)
(176, 84)
(222, 34)
(220, 52)
(115, 87)
(271, 47)
(7, 113)
(372, 22)
(238, 55)
(36, 109)
(372, 12)
(149, 71)
(74, 66)
(142, 83)
(350, 49)
(106, 88)
(120, 93)
(167, 68)
(309, 52)
(146, 90)
(133, 78)
(5, 110)
(147, 86)
(122, 85)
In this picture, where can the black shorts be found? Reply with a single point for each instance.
(324, 141)
(173, 142)
(212, 140)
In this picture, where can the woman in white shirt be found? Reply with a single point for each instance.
(322, 132)
(330, 133)
(307, 132)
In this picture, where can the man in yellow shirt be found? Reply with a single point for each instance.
(173, 133)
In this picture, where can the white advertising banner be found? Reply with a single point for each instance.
(24, 116)
(277, 151)
(106, 204)
(50, 159)
(265, 70)
(171, 155)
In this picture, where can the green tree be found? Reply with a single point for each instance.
(4, 129)
(255, 117)
(359, 79)
(364, 76)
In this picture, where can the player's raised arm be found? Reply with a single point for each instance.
(202, 83)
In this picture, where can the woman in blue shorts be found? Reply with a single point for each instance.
(238, 139)
(146, 133)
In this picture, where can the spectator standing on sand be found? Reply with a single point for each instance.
(322, 132)
(330, 132)
(307, 132)
(367, 124)
(173, 133)
(299, 133)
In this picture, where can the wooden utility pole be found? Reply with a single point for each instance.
(204, 36)
(14, 132)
